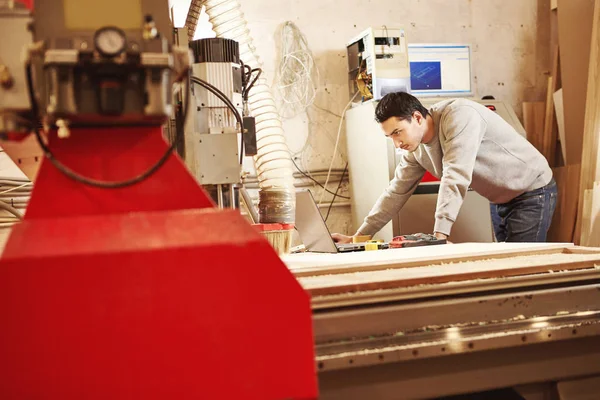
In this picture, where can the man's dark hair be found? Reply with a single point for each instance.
(399, 104)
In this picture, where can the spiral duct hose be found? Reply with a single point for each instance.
(273, 161)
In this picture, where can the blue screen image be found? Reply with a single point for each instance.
(426, 75)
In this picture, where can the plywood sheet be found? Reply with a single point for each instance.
(533, 121)
(575, 19)
(482, 269)
(590, 165)
(590, 222)
(565, 215)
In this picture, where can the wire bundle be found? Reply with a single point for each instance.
(297, 76)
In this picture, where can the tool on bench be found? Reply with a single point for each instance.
(375, 245)
(417, 239)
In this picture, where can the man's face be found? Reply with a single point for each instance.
(406, 135)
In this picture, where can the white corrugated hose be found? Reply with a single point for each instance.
(273, 162)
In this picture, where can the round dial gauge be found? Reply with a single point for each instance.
(110, 41)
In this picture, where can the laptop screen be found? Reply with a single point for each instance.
(311, 226)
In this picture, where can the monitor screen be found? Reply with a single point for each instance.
(440, 69)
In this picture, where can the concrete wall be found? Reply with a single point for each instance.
(510, 55)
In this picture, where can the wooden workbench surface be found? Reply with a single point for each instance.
(330, 274)
(426, 254)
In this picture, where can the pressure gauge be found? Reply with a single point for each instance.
(110, 41)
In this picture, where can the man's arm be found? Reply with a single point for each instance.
(407, 176)
(463, 129)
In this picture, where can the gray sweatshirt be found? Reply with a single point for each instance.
(472, 147)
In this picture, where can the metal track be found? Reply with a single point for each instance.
(454, 340)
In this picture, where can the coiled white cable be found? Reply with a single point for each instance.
(297, 76)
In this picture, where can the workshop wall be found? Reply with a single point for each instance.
(510, 57)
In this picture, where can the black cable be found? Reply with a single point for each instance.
(336, 191)
(93, 182)
(317, 182)
(254, 80)
(245, 75)
(221, 96)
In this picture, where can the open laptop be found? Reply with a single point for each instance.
(313, 230)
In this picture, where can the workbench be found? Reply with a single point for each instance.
(441, 320)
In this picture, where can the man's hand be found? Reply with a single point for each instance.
(442, 236)
(341, 239)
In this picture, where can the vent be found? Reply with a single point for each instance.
(216, 50)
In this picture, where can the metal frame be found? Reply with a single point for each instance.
(461, 337)
(409, 315)
(465, 373)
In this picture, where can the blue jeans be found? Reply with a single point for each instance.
(527, 217)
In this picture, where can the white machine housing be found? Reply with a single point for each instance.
(212, 139)
(384, 54)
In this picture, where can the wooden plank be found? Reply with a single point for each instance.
(590, 222)
(565, 215)
(549, 138)
(26, 154)
(590, 166)
(319, 264)
(560, 121)
(533, 121)
(494, 268)
(553, 4)
(588, 199)
(575, 34)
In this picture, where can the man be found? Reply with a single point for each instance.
(465, 145)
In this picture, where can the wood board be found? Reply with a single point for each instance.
(590, 167)
(533, 121)
(26, 154)
(549, 137)
(575, 19)
(306, 264)
(590, 222)
(568, 259)
(562, 228)
(560, 122)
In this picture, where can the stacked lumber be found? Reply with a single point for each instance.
(571, 119)
(589, 193)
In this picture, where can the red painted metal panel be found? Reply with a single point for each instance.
(142, 293)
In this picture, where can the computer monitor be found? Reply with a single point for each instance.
(440, 70)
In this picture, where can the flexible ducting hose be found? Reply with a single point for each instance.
(273, 161)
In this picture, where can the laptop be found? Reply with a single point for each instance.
(312, 228)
